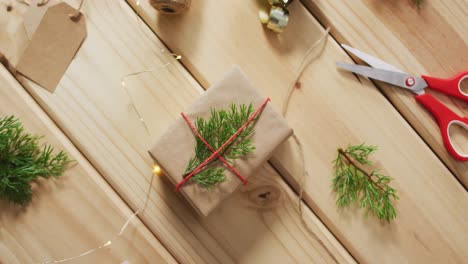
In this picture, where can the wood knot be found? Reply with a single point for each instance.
(267, 196)
(298, 85)
(264, 195)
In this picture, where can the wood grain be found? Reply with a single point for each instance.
(432, 40)
(94, 111)
(70, 215)
(330, 110)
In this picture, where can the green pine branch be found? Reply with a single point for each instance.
(221, 125)
(22, 161)
(353, 183)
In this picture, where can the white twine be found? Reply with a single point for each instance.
(304, 63)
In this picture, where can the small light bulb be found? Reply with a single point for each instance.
(176, 56)
(264, 16)
(156, 170)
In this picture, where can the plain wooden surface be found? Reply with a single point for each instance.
(71, 215)
(94, 111)
(332, 109)
(432, 41)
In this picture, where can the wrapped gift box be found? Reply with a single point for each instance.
(176, 146)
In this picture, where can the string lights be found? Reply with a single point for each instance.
(124, 86)
(156, 170)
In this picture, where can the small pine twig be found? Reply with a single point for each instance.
(22, 161)
(221, 125)
(352, 183)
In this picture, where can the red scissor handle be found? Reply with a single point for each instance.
(445, 117)
(449, 86)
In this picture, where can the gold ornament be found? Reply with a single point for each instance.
(279, 18)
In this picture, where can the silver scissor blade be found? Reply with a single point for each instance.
(372, 61)
(391, 77)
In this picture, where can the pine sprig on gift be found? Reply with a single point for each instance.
(353, 183)
(221, 125)
(22, 161)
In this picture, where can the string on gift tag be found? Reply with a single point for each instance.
(9, 6)
(25, 2)
(42, 2)
(73, 16)
(76, 16)
(39, 3)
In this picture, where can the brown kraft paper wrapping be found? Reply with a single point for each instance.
(176, 146)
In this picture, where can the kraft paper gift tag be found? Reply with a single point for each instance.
(176, 146)
(53, 46)
(33, 15)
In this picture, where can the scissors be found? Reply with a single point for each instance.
(445, 117)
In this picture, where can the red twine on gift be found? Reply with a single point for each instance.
(215, 153)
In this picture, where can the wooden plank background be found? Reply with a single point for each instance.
(71, 215)
(94, 111)
(330, 110)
